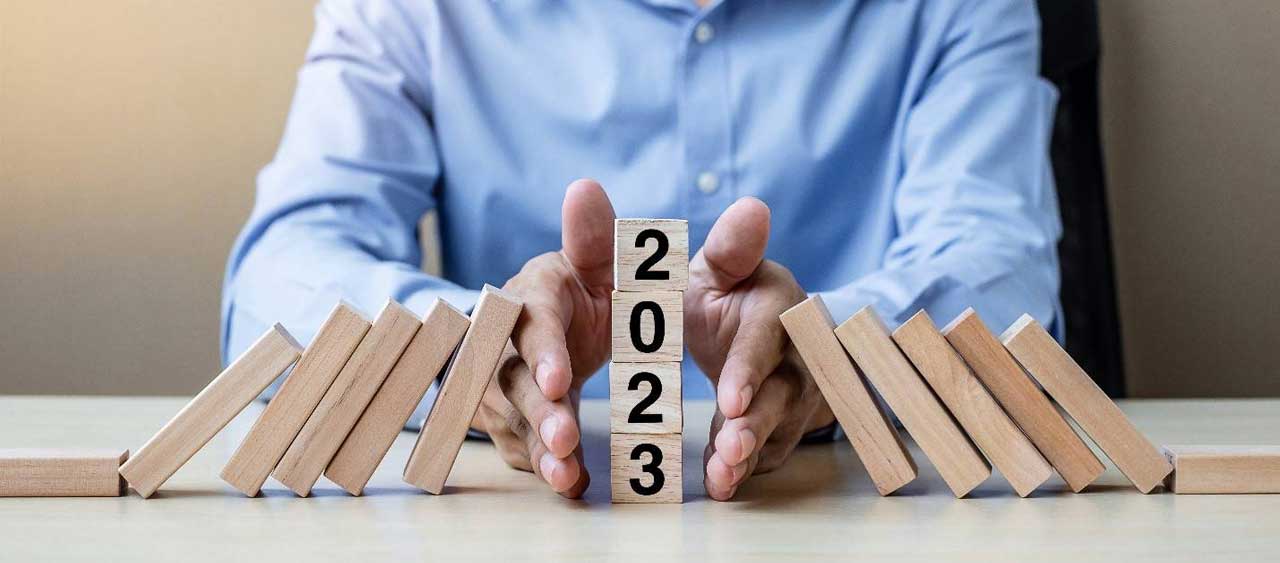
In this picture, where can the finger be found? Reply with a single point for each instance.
(713, 472)
(587, 233)
(734, 247)
(584, 478)
(755, 352)
(740, 439)
(551, 424)
(539, 338)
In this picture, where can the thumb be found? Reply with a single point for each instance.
(734, 247)
(587, 232)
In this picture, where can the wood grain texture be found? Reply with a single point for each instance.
(873, 437)
(80, 472)
(391, 408)
(623, 397)
(623, 469)
(210, 410)
(867, 340)
(670, 303)
(629, 253)
(346, 399)
(1087, 404)
(293, 403)
(979, 415)
(1212, 470)
(432, 458)
(1024, 402)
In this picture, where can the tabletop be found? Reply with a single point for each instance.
(820, 504)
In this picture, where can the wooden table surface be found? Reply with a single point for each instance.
(820, 504)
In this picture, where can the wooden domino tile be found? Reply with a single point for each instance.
(645, 398)
(651, 255)
(404, 388)
(648, 326)
(210, 410)
(1213, 470)
(973, 407)
(296, 399)
(61, 472)
(433, 454)
(874, 438)
(646, 468)
(1024, 402)
(347, 398)
(867, 340)
(1087, 404)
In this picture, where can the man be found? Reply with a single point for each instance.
(882, 153)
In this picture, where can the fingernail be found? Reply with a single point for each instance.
(547, 465)
(745, 396)
(544, 372)
(748, 440)
(548, 429)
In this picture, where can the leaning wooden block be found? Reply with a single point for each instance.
(209, 411)
(1024, 402)
(390, 409)
(648, 326)
(61, 472)
(1096, 414)
(874, 438)
(491, 323)
(1208, 470)
(645, 398)
(985, 422)
(297, 398)
(867, 340)
(347, 398)
(651, 254)
(646, 468)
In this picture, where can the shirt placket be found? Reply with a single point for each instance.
(706, 178)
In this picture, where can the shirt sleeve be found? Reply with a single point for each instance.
(337, 210)
(975, 210)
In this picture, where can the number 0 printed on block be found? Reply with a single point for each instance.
(645, 398)
(648, 326)
(646, 468)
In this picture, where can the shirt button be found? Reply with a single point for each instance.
(708, 183)
(704, 32)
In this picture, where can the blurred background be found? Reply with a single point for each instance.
(131, 132)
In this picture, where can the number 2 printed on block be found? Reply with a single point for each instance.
(645, 398)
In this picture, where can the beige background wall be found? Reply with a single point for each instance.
(131, 131)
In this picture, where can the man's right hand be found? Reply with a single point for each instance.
(562, 338)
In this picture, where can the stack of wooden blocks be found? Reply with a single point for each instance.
(646, 418)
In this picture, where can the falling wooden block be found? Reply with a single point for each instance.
(645, 398)
(296, 399)
(867, 340)
(651, 254)
(648, 326)
(432, 458)
(977, 412)
(646, 468)
(211, 410)
(61, 472)
(1211, 470)
(390, 409)
(1024, 402)
(346, 399)
(874, 438)
(1096, 414)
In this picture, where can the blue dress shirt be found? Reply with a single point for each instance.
(901, 144)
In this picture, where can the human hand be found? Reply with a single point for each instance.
(766, 399)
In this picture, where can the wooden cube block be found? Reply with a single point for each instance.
(1024, 402)
(1199, 470)
(977, 412)
(646, 468)
(211, 410)
(390, 409)
(347, 398)
(648, 326)
(61, 472)
(297, 398)
(867, 340)
(651, 255)
(432, 458)
(1096, 413)
(874, 438)
(645, 398)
